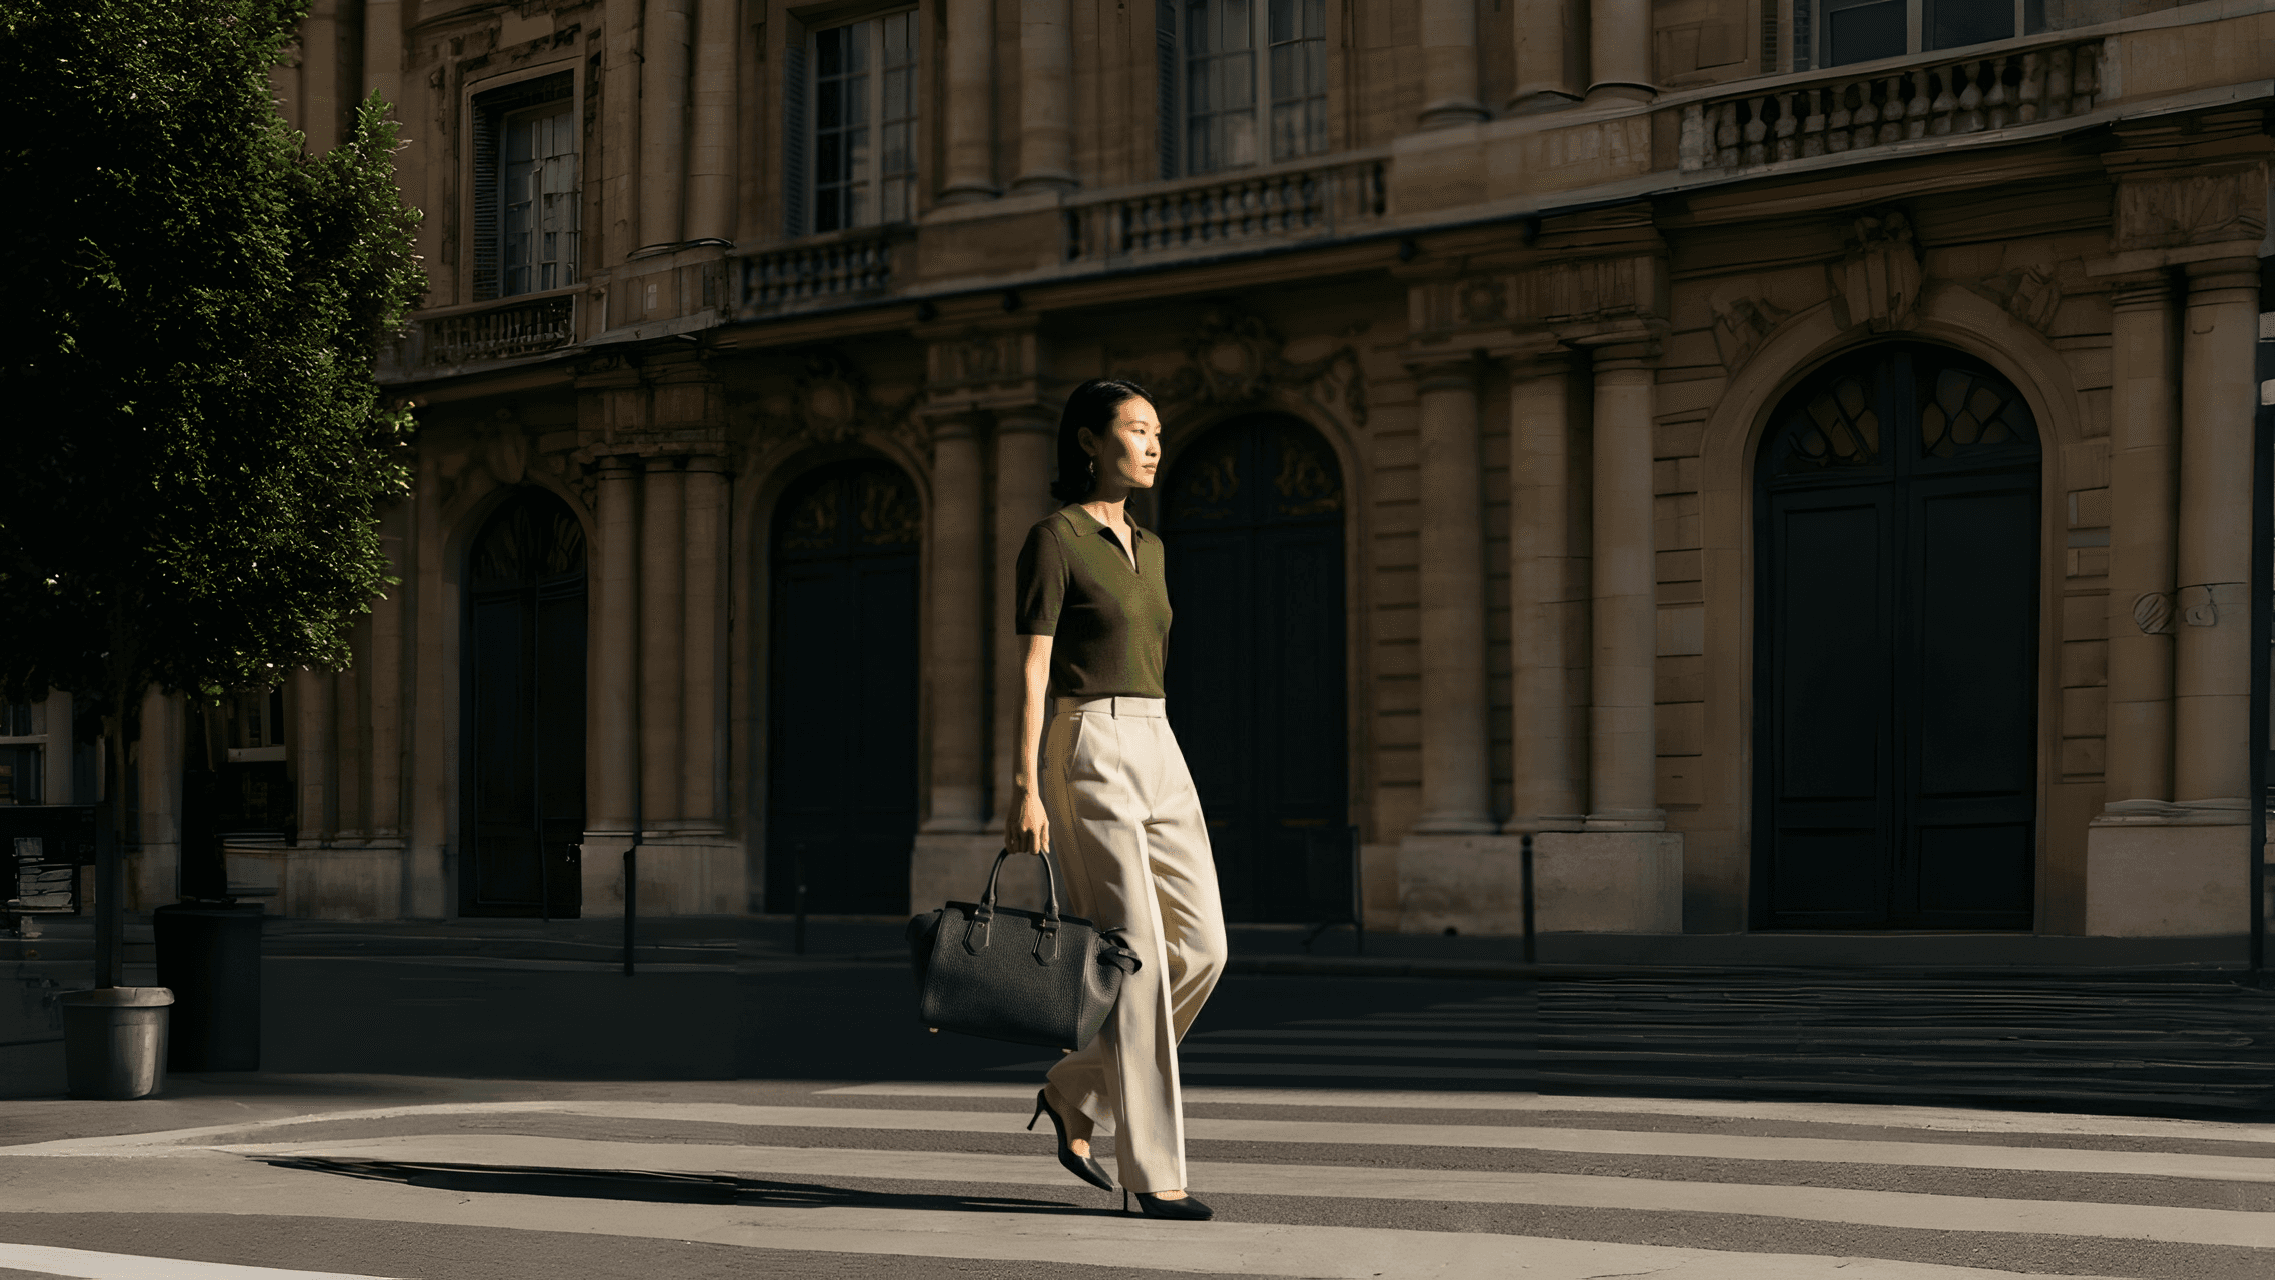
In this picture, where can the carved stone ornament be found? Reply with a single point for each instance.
(831, 403)
(2193, 208)
(1878, 278)
(1740, 323)
(2030, 294)
(2152, 613)
(2199, 606)
(1483, 300)
(1235, 358)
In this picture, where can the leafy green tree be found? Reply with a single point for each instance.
(192, 446)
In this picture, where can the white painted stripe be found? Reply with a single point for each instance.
(1905, 1210)
(122, 1266)
(1699, 1146)
(1936, 1119)
(1384, 1034)
(1045, 1239)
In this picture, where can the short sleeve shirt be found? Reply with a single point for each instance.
(1109, 622)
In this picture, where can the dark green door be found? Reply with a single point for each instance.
(1896, 662)
(1253, 525)
(525, 667)
(841, 795)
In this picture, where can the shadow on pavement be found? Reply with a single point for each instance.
(640, 1185)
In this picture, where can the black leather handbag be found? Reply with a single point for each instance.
(1029, 977)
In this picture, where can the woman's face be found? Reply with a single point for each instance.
(1132, 448)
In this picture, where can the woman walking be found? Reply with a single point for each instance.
(1106, 789)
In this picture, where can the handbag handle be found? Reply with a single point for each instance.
(1050, 889)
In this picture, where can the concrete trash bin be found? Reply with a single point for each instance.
(114, 1041)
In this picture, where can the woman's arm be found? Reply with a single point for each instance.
(1027, 829)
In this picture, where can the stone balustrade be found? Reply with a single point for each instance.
(485, 332)
(1836, 112)
(845, 267)
(1228, 212)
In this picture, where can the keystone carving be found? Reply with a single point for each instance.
(1878, 278)
(1740, 323)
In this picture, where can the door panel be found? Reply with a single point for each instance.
(1254, 528)
(1898, 554)
(525, 679)
(842, 691)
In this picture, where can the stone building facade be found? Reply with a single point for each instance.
(1792, 455)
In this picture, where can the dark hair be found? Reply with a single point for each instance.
(1092, 405)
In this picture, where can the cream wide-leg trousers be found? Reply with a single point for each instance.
(1127, 830)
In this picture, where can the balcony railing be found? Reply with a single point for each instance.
(845, 268)
(495, 331)
(1228, 212)
(1842, 113)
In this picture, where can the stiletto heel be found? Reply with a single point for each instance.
(1184, 1207)
(1083, 1167)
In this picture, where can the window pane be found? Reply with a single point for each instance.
(829, 52)
(1951, 23)
(1315, 19)
(1864, 32)
(1283, 20)
(1239, 138)
(19, 775)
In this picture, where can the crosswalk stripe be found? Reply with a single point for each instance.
(50, 1260)
(1042, 1237)
(1908, 1210)
(1623, 1142)
(1932, 1119)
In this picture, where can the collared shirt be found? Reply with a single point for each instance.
(1109, 621)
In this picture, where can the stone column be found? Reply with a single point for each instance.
(703, 691)
(1046, 97)
(711, 153)
(320, 76)
(1024, 440)
(612, 771)
(2144, 436)
(312, 763)
(384, 795)
(1455, 796)
(1449, 63)
(952, 672)
(619, 170)
(663, 523)
(1541, 600)
(350, 764)
(970, 101)
(663, 123)
(2212, 658)
(1619, 50)
(1622, 741)
(1552, 55)
(383, 49)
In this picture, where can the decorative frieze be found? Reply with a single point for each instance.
(2192, 207)
(1235, 358)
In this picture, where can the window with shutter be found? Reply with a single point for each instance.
(1165, 84)
(526, 208)
(1832, 33)
(794, 176)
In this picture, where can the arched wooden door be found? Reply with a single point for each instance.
(525, 680)
(1897, 635)
(1253, 525)
(841, 791)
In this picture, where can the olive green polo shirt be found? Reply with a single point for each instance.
(1109, 622)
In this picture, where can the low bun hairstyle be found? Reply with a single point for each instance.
(1092, 405)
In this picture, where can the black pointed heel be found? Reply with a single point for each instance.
(1083, 1167)
(1184, 1207)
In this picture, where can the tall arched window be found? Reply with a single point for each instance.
(525, 716)
(1896, 648)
